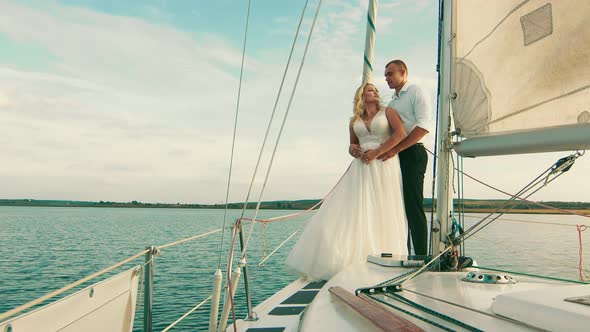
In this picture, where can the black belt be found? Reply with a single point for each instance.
(417, 145)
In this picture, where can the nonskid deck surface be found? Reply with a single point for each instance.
(282, 311)
(295, 300)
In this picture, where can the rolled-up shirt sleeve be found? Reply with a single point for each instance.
(423, 110)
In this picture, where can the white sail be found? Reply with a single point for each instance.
(520, 65)
(106, 306)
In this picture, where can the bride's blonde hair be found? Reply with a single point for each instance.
(359, 110)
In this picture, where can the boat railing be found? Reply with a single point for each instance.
(150, 253)
(147, 270)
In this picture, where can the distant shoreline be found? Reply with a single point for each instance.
(470, 206)
(529, 211)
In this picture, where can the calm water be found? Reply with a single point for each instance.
(43, 249)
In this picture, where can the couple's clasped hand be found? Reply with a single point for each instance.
(368, 156)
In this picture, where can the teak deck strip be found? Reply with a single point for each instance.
(382, 318)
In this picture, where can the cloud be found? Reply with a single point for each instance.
(5, 102)
(387, 6)
(282, 19)
(122, 91)
(384, 23)
(131, 110)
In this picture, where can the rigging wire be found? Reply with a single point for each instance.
(238, 221)
(274, 109)
(505, 208)
(233, 143)
(556, 170)
(435, 159)
(282, 125)
(236, 227)
(565, 211)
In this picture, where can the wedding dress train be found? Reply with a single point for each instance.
(363, 215)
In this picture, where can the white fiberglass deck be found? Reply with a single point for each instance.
(469, 303)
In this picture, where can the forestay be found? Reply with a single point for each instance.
(520, 66)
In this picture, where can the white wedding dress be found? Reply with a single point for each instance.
(363, 215)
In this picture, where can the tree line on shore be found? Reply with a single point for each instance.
(470, 205)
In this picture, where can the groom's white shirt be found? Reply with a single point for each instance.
(413, 108)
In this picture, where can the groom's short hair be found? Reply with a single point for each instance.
(398, 63)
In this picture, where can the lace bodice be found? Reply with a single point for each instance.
(379, 131)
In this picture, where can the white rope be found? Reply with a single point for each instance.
(228, 303)
(233, 143)
(282, 126)
(508, 319)
(530, 222)
(188, 239)
(188, 313)
(68, 287)
(279, 247)
(559, 262)
(46, 297)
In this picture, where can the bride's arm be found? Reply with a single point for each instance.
(399, 133)
(354, 148)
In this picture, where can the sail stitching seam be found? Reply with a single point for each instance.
(496, 27)
(526, 109)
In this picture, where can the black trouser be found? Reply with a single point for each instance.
(413, 163)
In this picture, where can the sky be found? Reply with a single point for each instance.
(135, 100)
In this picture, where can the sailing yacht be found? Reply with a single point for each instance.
(514, 78)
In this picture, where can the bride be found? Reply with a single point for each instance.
(365, 212)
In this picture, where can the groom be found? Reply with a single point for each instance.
(414, 109)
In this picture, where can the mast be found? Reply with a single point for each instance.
(444, 199)
(370, 41)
